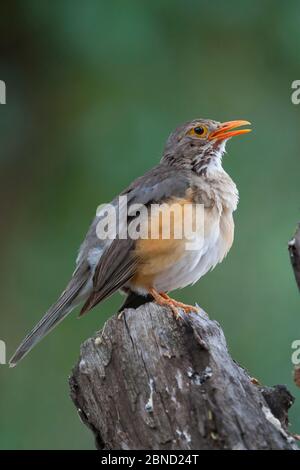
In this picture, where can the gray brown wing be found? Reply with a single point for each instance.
(159, 183)
(118, 263)
(117, 266)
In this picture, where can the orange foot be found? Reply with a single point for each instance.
(163, 299)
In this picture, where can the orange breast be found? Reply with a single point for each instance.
(165, 244)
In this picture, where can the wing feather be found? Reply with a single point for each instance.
(118, 263)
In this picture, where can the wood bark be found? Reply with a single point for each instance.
(149, 381)
(294, 250)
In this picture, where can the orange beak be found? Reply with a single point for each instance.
(222, 133)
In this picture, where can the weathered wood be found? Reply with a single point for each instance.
(148, 381)
(294, 250)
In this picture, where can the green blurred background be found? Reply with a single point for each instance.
(93, 90)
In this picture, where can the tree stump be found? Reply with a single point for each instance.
(149, 381)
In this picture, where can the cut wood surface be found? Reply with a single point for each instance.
(149, 381)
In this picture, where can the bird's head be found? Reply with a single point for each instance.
(200, 144)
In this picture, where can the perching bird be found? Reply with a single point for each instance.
(190, 172)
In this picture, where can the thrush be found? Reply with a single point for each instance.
(189, 173)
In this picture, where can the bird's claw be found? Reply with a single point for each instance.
(164, 300)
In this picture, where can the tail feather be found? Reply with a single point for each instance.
(56, 313)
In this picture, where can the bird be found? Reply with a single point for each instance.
(190, 172)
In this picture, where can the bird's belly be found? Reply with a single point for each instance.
(193, 265)
(173, 265)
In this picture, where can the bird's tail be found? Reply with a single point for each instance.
(56, 313)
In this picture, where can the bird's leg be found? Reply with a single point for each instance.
(186, 307)
(163, 299)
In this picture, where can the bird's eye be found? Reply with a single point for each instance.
(198, 131)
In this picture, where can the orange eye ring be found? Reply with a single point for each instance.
(198, 131)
